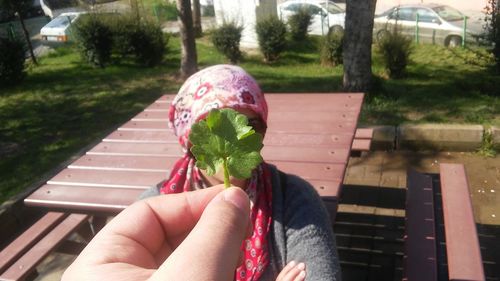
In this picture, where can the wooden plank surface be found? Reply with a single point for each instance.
(462, 244)
(299, 126)
(271, 138)
(269, 153)
(28, 238)
(420, 259)
(363, 133)
(23, 266)
(98, 199)
(309, 135)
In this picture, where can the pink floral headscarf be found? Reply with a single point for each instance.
(224, 86)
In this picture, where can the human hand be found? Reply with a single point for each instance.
(190, 236)
(293, 271)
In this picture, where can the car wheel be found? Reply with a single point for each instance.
(381, 34)
(454, 41)
(335, 29)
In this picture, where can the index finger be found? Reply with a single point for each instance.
(149, 224)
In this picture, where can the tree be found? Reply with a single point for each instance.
(189, 58)
(20, 7)
(358, 44)
(492, 27)
(197, 18)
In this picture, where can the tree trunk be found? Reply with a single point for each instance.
(197, 18)
(358, 45)
(28, 40)
(188, 44)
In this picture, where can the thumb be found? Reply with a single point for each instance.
(212, 249)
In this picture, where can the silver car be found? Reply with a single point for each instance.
(437, 24)
(325, 15)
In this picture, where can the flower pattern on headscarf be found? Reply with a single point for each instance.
(224, 86)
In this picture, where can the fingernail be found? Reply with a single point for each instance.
(302, 275)
(238, 198)
(301, 266)
(291, 264)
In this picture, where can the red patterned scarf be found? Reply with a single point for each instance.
(218, 87)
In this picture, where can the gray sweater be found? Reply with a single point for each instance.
(300, 229)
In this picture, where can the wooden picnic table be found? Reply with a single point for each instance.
(309, 134)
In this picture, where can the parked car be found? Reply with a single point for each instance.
(326, 15)
(59, 28)
(437, 24)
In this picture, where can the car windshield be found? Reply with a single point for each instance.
(449, 13)
(332, 8)
(61, 21)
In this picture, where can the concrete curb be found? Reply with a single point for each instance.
(429, 137)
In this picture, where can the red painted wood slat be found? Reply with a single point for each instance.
(462, 245)
(26, 240)
(23, 266)
(334, 127)
(108, 200)
(121, 179)
(271, 138)
(363, 133)
(269, 153)
(99, 199)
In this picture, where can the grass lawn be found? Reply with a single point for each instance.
(65, 105)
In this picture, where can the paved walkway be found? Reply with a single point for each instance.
(370, 222)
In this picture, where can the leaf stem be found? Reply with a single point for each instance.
(226, 174)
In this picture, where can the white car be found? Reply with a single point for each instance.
(59, 28)
(326, 15)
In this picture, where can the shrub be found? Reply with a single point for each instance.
(331, 48)
(395, 49)
(165, 11)
(94, 38)
(148, 43)
(299, 24)
(11, 61)
(271, 36)
(140, 39)
(226, 40)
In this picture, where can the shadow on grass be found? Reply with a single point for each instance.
(65, 110)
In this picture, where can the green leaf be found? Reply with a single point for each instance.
(224, 140)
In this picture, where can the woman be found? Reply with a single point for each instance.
(290, 225)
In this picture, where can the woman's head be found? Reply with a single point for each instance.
(219, 86)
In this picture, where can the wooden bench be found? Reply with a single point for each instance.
(309, 134)
(422, 255)
(18, 261)
(362, 141)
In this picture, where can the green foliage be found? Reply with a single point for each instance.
(331, 48)
(271, 34)
(225, 140)
(226, 40)
(165, 11)
(487, 148)
(13, 6)
(492, 19)
(395, 49)
(94, 38)
(299, 24)
(141, 39)
(148, 43)
(11, 61)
